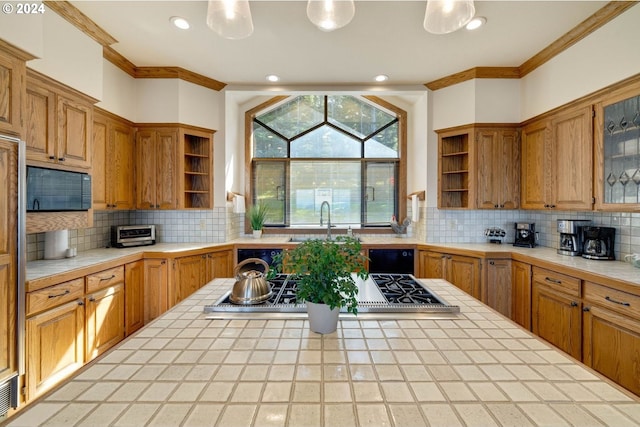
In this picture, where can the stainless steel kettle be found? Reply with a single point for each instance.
(251, 286)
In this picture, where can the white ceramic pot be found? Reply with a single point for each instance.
(322, 319)
(257, 234)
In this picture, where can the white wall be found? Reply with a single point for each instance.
(497, 101)
(24, 31)
(157, 101)
(119, 92)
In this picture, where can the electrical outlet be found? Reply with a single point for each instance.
(203, 225)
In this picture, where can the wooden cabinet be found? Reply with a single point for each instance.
(12, 80)
(455, 168)
(134, 296)
(557, 310)
(113, 162)
(498, 168)
(548, 147)
(219, 264)
(156, 288)
(156, 168)
(497, 288)
(197, 182)
(58, 124)
(461, 271)
(55, 346)
(104, 310)
(521, 293)
(189, 275)
(8, 259)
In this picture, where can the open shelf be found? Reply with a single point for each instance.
(454, 170)
(198, 164)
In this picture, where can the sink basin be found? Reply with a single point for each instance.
(300, 239)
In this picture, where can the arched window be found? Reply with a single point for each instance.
(344, 149)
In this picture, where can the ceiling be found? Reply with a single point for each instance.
(385, 37)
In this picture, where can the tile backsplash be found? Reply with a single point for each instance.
(435, 226)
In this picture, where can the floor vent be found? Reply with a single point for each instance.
(8, 396)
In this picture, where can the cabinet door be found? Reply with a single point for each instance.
(431, 264)
(219, 265)
(507, 178)
(100, 164)
(521, 294)
(75, 121)
(557, 318)
(8, 262)
(498, 286)
(535, 171)
(189, 275)
(612, 346)
(55, 347)
(134, 296)
(104, 320)
(464, 272)
(573, 159)
(486, 192)
(167, 176)
(156, 291)
(40, 126)
(146, 169)
(12, 73)
(121, 169)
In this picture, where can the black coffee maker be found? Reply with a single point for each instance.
(525, 235)
(598, 242)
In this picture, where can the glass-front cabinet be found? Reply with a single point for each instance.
(617, 151)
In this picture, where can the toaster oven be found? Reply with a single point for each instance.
(126, 236)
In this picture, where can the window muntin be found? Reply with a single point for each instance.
(326, 142)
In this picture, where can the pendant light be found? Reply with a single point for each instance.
(231, 19)
(446, 16)
(329, 15)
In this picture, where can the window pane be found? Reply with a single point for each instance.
(266, 144)
(384, 144)
(313, 182)
(380, 192)
(355, 115)
(326, 142)
(296, 116)
(269, 188)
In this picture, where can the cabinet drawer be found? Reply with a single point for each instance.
(54, 295)
(615, 300)
(560, 282)
(105, 279)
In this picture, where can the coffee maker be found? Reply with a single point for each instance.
(571, 236)
(598, 242)
(525, 235)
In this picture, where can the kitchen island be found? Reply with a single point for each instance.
(476, 369)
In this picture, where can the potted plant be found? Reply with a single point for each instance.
(257, 216)
(324, 271)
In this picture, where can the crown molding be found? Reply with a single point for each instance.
(601, 17)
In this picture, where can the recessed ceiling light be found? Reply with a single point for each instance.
(179, 22)
(273, 78)
(381, 78)
(476, 23)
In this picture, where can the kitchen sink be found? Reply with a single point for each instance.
(301, 239)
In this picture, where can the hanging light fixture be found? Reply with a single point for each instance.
(329, 15)
(446, 16)
(231, 19)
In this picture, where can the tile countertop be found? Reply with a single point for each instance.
(479, 369)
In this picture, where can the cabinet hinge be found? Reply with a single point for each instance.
(593, 200)
(593, 113)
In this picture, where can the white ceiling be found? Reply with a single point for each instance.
(385, 37)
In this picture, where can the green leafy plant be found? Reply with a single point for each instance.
(323, 270)
(257, 215)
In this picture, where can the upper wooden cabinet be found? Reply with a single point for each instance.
(58, 124)
(174, 168)
(617, 150)
(113, 162)
(479, 167)
(557, 161)
(12, 76)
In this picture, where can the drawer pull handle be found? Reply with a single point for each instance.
(107, 278)
(549, 279)
(626, 304)
(67, 291)
(574, 304)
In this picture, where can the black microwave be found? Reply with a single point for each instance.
(54, 190)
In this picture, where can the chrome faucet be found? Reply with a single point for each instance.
(328, 218)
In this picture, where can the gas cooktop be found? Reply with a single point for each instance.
(381, 294)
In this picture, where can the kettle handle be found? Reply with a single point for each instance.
(236, 271)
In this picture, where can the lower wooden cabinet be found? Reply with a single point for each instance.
(189, 274)
(134, 296)
(104, 320)
(462, 271)
(521, 294)
(156, 288)
(55, 346)
(497, 289)
(219, 264)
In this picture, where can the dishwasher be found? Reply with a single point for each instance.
(391, 261)
(264, 254)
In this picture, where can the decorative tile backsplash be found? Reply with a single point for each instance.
(435, 226)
